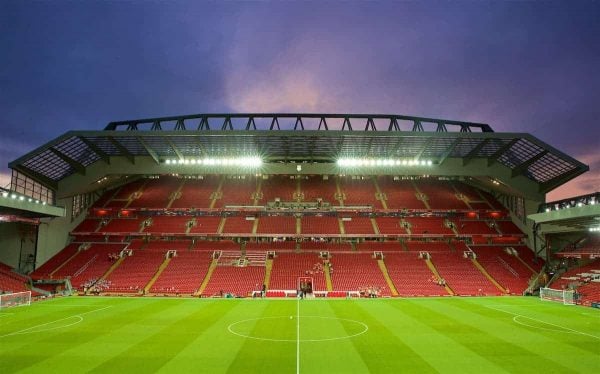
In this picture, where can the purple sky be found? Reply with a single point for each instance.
(521, 67)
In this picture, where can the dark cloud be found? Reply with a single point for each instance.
(519, 66)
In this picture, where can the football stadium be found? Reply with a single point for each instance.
(297, 243)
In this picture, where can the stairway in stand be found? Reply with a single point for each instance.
(211, 268)
(161, 268)
(386, 275)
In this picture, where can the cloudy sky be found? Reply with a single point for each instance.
(522, 67)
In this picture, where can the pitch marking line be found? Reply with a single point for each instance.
(517, 316)
(230, 328)
(29, 329)
(298, 337)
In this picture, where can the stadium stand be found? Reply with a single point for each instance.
(411, 276)
(288, 267)
(409, 224)
(357, 271)
(184, 274)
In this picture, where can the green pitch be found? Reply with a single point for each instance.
(451, 335)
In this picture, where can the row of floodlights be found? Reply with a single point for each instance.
(14, 196)
(595, 229)
(352, 162)
(567, 206)
(230, 161)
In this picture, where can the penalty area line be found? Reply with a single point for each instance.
(569, 330)
(78, 315)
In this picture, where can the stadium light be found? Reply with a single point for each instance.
(249, 162)
(381, 162)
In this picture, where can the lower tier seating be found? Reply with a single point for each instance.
(10, 281)
(411, 276)
(288, 267)
(506, 269)
(461, 275)
(357, 271)
(238, 281)
(184, 274)
(135, 271)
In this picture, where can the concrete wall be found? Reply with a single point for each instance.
(53, 233)
(17, 239)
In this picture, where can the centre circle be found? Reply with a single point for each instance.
(285, 328)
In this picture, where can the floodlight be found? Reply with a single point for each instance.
(168, 162)
(21, 198)
(429, 162)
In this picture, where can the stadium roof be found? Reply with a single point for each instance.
(278, 137)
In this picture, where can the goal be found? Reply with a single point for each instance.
(567, 297)
(15, 299)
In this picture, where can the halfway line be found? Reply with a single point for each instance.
(298, 336)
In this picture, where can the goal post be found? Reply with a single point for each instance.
(567, 297)
(15, 299)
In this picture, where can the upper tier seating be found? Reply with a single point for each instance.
(356, 271)
(284, 225)
(492, 200)
(373, 246)
(507, 270)
(184, 274)
(325, 246)
(196, 193)
(271, 246)
(167, 245)
(440, 194)
(315, 187)
(128, 189)
(428, 226)
(390, 226)
(206, 225)
(221, 245)
(414, 246)
(288, 267)
(237, 192)
(314, 225)
(238, 225)
(168, 224)
(88, 225)
(132, 275)
(358, 226)
(55, 261)
(468, 227)
(239, 281)
(508, 228)
(277, 186)
(411, 276)
(156, 193)
(359, 192)
(469, 192)
(123, 225)
(400, 194)
(462, 275)
(103, 199)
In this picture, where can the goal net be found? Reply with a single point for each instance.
(15, 299)
(567, 297)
